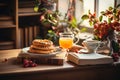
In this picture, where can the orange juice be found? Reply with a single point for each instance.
(66, 42)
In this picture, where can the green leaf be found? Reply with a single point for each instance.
(81, 0)
(109, 20)
(47, 16)
(50, 31)
(96, 37)
(91, 23)
(84, 17)
(89, 12)
(50, 16)
(100, 18)
(36, 8)
(50, 34)
(114, 11)
(43, 9)
(118, 6)
(102, 12)
(115, 46)
(110, 8)
(74, 22)
(83, 30)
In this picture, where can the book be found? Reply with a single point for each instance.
(89, 59)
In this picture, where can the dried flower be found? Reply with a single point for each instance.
(103, 27)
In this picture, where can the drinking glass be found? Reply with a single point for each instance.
(66, 40)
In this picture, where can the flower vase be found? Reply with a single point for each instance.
(104, 47)
(107, 46)
(112, 43)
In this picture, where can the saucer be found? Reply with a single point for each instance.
(83, 51)
(25, 51)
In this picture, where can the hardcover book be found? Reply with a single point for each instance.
(89, 59)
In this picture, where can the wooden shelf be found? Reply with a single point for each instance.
(6, 45)
(6, 22)
(25, 10)
(23, 4)
(7, 26)
(5, 17)
(3, 4)
(28, 14)
(11, 13)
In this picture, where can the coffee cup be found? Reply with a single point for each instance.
(91, 45)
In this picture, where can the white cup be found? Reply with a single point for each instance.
(91, 45)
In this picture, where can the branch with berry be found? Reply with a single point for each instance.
(108, 21)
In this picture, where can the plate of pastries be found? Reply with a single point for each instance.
(41, 47)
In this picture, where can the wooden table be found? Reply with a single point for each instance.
(68, 71)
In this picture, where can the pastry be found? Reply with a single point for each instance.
(32, 50)
(42, 42)
(42, 46)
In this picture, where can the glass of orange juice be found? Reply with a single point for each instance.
(66, 41)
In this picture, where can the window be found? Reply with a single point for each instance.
(78, 9)
(63, 7)
(96, 6)
(118, 2)
(104, 4)
(88, 5)
(82, 7)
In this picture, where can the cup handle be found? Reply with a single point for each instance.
(76, 40)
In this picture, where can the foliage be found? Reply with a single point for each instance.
(48, 17)
(36, 6)
(52, 36)
(107, 22)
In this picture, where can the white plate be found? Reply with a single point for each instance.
(25, 51)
